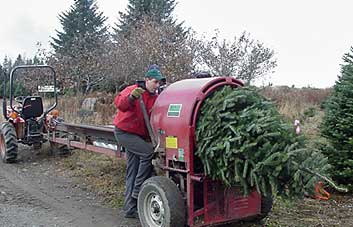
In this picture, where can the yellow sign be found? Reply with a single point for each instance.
(171, 142)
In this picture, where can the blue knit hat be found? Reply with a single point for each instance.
(154, 66)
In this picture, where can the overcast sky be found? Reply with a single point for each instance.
(309, 37)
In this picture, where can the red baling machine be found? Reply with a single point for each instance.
(181, 195)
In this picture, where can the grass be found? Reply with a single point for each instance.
(304, 105)
(102, 114)
(296, 103)
(310, 212)
(103, 174)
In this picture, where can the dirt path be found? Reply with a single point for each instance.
(32, 194)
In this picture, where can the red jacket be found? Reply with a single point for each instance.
(129, 115)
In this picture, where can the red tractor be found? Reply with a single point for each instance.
(24, 120)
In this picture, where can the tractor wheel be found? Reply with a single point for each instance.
(8, 143)
(160, 203)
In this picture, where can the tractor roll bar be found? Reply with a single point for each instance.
(33, 67)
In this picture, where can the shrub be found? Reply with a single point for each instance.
(337, 124)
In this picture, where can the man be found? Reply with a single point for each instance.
(131, 132)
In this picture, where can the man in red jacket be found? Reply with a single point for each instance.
(131, 132)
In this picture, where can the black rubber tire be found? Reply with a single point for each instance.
(9, 148)
(164, 190)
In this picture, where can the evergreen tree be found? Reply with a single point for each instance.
(2, 82)
(5, 70)
(148, 34)
(34, 61)
(80, 47)
(160, 11)
(337, 124)
(150, 44)
(81, 24)
(7, 64)
(19, 61)
(1, 79)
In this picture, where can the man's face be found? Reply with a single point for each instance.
(152, 85)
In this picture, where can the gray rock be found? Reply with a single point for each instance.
(89, 104)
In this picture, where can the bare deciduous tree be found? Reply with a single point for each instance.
(244, 58)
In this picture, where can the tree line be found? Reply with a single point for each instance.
(88, 54)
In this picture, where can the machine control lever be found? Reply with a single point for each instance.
(148, 124)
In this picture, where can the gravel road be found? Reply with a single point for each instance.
(33, 195)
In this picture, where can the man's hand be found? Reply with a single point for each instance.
(136, 93)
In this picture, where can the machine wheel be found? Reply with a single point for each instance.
(8, 143)
(160, 204)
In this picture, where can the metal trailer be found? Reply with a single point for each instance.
(182, 195)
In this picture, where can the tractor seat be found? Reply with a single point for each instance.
(32, 107)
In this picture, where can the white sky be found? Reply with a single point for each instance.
(309, 37)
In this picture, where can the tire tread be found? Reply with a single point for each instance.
(11, 145)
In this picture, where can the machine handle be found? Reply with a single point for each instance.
(147, 122)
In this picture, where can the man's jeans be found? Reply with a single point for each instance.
(139, 155)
